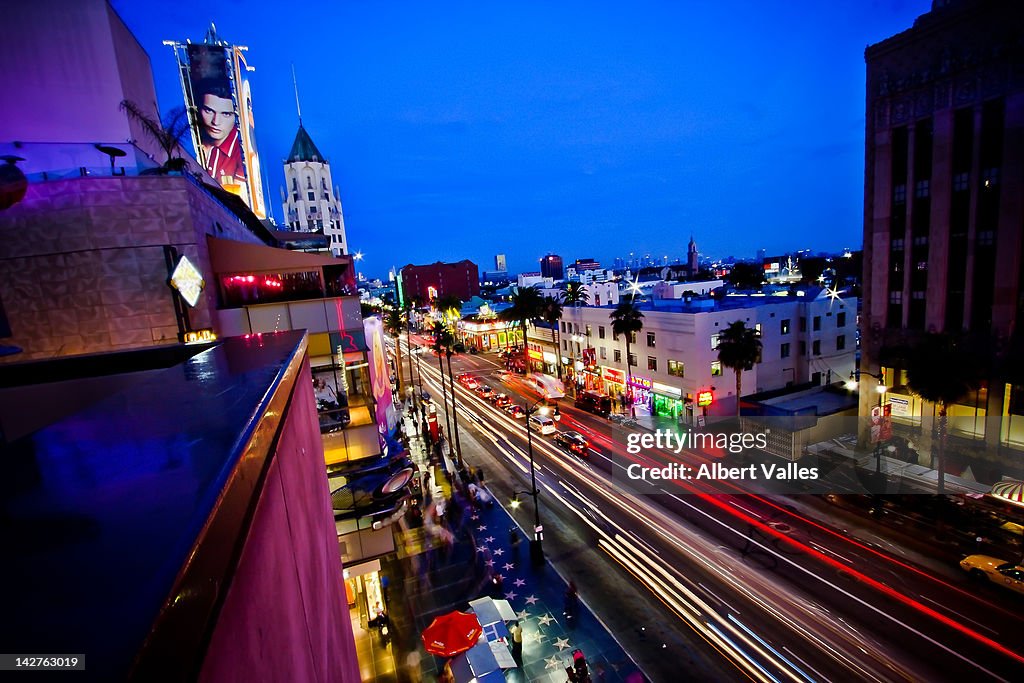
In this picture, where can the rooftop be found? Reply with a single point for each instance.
(107, 506)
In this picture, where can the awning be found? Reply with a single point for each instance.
(1010, 490)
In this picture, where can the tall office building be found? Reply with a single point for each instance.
(943, 207)
(551, 266)
(500, 264)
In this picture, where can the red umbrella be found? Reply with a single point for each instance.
(452, 633)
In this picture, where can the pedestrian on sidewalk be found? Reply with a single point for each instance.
(480, 475)
(516, 635)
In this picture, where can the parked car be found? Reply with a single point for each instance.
(515, 410)
(1006, 574)
(573, 442)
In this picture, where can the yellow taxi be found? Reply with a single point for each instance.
(997, 571)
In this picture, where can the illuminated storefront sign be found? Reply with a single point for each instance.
(199, 336)
(535, 355)
(666, 390)
(613, 375)
(640, 382)
(705, 398)
(189, 282)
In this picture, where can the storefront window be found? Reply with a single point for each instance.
(1012, 432)
(240, 290)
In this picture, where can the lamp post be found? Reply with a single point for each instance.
(536, 543)
(851, 385)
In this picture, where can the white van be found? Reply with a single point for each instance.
(543, 424)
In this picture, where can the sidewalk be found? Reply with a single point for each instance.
(488, 556)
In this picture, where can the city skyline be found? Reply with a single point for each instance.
(570, 127)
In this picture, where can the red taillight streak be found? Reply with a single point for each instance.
(865, 579)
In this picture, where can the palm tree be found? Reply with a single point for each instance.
(439, 337)
(394, 322)
(167, 133)
(739, 348)
(410, 305)
(575, 294)
(450, 308)
(525, 308)
(627, 320)
(551, 313)
(943, 369)
(448, 342)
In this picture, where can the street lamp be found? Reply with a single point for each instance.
(851, 385)
(536, 543)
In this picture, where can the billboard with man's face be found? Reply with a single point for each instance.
(216, 132)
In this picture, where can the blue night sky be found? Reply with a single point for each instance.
(590, 129)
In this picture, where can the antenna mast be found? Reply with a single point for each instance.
(295, 82)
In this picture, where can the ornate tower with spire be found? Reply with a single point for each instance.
(311, 202)
(691, 258)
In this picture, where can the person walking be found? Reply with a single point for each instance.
(516, 635)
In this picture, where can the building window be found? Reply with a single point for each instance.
(899, 194)
(917, 295)
(295, 184)
(920, 241)
(817, 323)
(587, 330)
(986, 238)
(816, 347)
(604, 354)
(295, 196)
(840, 342)
(841, 319)
(896, 297)
(652, 363)
(990, 177)
(319, 225)
(309, 183)
(618, 355)
(961, 181)
(784, 350)
(803, 348)
(715, 338)
(563, 328)
(650, 339)
(921, 188)
(716, 368)
(600, 331)
(675, 368)
(565, 345)
(311, 196)
(784, 326)
(632, 359)
(632, 337)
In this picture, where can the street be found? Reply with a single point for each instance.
(733, 585)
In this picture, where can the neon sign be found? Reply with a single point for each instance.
(705, 398)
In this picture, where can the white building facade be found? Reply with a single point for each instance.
(311, 202)
(674, 359)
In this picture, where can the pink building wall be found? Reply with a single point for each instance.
(284, 617)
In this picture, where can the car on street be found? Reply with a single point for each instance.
(500, 400)
(1006, 574)
(515, 410)
(483, 391)
(574, 442)
(542, 423)
(467, 380)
